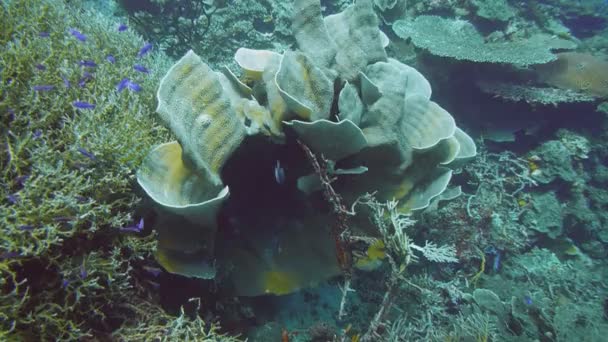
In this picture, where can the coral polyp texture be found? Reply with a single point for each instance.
(339, 95)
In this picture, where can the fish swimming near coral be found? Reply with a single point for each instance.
(122, 84)
(78, 35)
(141, 68)
(126, 83)
(83, 105)
(279, 173)
(87, 63)
(134, 228)
(66, 82)
(43, 87)
(86, 77)
(87, 153)
(145, 50)
(134, 86)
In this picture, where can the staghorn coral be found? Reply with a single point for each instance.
(55, 200)
(70, 142)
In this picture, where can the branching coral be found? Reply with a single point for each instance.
(46, 198)
(213, 28)
(71, 138)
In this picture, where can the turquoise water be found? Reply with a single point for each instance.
(370, 170)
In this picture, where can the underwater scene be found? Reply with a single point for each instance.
(304, 170)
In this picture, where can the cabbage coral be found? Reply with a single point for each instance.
(340, 96)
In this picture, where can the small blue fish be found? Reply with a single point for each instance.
(43, 87)
(63, 219)
(134, 86)
(21, 179)
(279, 173)
(154, 271)
(122, 84)
(528, 300)
(40, 67)
(43, 34)
(122, 27)
(145, 50)
(496, 263)
(86, 77)
(83, 271)
(87, 63)
(83, 105)
(13, 198)
(26, 227)
(37, 133)
(78, 35)
(87, 153)
(81, 199)
(141, 68)
(111, 59)
(9, 255)
(66, 82)
(134, 228)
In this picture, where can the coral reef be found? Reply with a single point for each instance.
(211, 118)
(499, 10)
(533, 94)
(71, 266)
(460, 40)
(577, 71)
(293, 176)
(214, 29)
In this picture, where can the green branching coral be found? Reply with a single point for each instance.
(460, 40)
(71, 139)
(66, 170)
(161, 327)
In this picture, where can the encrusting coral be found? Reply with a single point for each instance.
(400, 143)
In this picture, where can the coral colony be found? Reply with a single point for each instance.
(367, 170)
